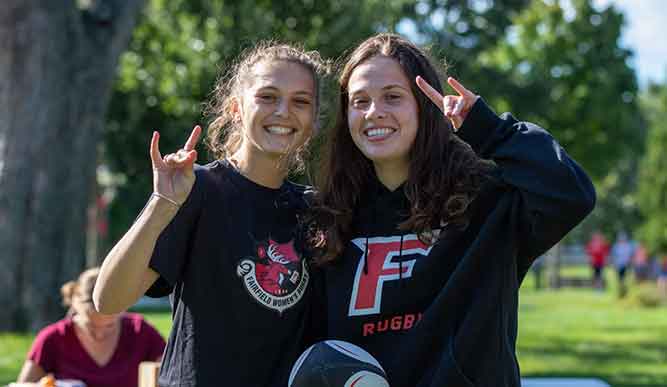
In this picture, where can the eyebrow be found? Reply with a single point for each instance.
(273, 88)
(393, 86)
(388, 87)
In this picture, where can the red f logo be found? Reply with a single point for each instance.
(367, 290)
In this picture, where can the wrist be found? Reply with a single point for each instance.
(166, 198)
(158, 205)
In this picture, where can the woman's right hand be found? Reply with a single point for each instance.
(173, 174)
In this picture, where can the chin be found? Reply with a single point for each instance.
(381, 156)
(275, 153)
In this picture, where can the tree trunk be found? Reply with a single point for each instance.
(57, 64)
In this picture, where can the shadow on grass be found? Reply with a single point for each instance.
(616, 363)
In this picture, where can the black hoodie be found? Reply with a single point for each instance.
(446, 314)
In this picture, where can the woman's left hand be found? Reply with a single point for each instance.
(455, 107)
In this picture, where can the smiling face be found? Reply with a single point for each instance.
(382, 113)
(276, 109)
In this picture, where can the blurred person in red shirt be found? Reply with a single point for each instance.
(597, 250)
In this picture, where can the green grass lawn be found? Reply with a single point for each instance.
(570, 332)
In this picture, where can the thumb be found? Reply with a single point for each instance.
(457, 121)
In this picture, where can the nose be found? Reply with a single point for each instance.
(281, 108)
(375, 112)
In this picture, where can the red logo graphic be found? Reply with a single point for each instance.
(278, 267)
(367, 289)
(277, 277)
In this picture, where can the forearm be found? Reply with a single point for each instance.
(30, 373)
(125, 276)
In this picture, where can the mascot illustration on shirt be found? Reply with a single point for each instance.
(276, 277)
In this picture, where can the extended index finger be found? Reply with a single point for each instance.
(156, 156)
(192, 140)
(430, 92)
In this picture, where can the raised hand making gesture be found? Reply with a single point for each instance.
(455, 107)
(173, 175)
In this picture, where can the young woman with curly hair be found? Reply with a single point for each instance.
(431, 210)
(220, 239)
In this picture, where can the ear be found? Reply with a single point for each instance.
(236, 109)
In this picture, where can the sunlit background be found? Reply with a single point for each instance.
(77, 110)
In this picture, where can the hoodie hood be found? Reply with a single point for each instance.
(381, 209)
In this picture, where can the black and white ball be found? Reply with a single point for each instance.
(335, 363)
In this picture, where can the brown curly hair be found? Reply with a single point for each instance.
(444, 173)
(224, 135)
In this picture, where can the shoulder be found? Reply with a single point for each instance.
(489, 196)
(54, 332)
(301, 196)
(207, 173)
(492, 185)
(299, 189)
(141, 333)
(136, 322)
(206, 177)
(218, 174)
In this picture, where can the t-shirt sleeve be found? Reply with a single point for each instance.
(44, 351)
(171, 251)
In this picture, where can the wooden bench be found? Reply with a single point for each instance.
(148, 373)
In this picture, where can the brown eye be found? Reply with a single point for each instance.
(393, 97)
(266, 98)
(359, 102)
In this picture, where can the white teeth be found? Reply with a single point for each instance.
(379, 132)
(279, 130)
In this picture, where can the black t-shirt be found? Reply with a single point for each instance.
(231, 262)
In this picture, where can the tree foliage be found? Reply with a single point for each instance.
(560, 67)
(558, 64)
(565, 70)
(178, 50)
(652, 194)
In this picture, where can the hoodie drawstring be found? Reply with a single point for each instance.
(400, 261)
(366, 257)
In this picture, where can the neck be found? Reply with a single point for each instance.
(391, 173)
(265, 170)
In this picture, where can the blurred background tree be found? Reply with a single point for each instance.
(652, 193)
(177, 52)
(557, 63)
(565, 69)
(57, 66)
(559, 66)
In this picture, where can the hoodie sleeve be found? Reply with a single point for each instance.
(554, 193)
